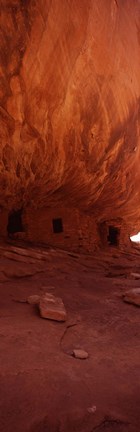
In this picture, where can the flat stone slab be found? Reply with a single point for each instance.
(80, 354)
(52, 308)
(132, 296)
(16, 270)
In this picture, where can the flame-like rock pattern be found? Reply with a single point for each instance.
(70, 105)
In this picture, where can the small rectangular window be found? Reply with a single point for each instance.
(57, 225)
(113, 236)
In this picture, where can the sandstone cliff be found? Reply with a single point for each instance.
(70, 106)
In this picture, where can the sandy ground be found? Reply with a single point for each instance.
(42, 387)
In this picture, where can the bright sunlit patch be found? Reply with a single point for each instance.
(135, 238)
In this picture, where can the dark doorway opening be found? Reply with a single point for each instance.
(15, 222)
(57, 225)
(113, 236)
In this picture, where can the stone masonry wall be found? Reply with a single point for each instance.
(79, 230)
(103, 230)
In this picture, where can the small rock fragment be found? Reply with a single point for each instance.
(80, 354)
(52, 308)
(92, 409)
(33, 299)
(132, 296)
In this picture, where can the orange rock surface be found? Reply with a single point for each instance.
(70, 105)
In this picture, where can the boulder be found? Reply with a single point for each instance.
(135, 275)
(52, 308)
(132, 296)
